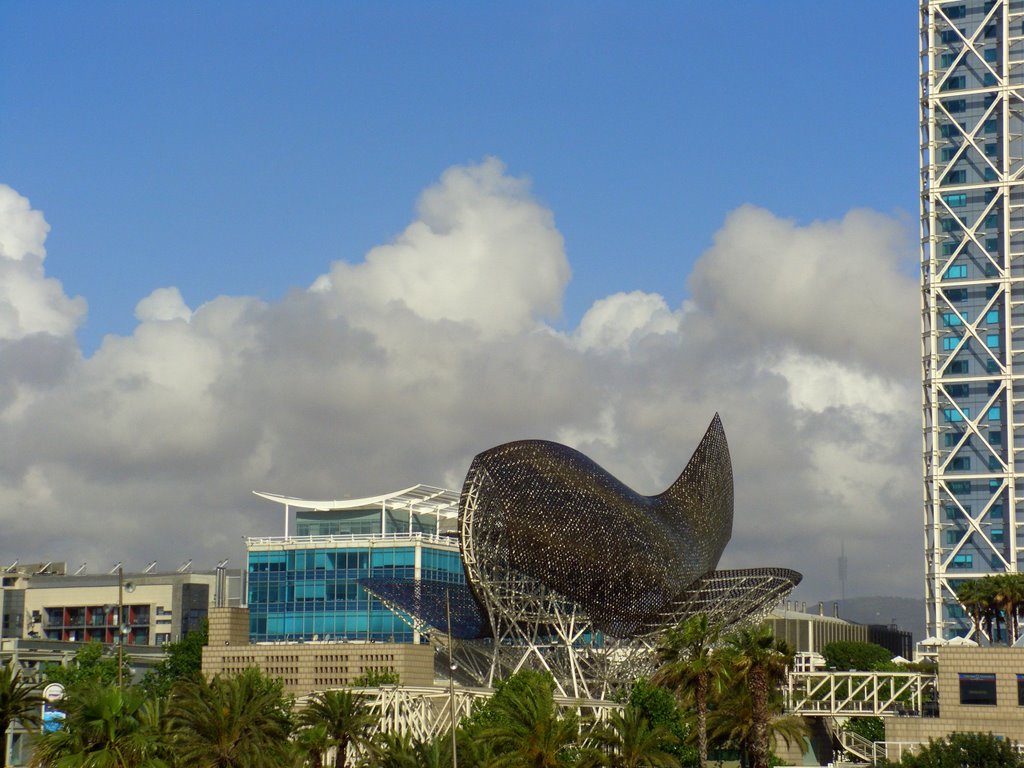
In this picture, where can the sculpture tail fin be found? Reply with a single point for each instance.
(704, 490)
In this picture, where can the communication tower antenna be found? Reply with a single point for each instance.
(843, 569)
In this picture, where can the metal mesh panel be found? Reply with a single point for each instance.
(539, 520)
(426, 600)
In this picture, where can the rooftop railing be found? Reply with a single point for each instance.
(349, 538)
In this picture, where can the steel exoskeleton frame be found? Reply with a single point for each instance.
(972, 294)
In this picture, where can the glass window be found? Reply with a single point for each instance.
(991, 55)
(957, 177)
(953, 537)
(990, 32)
(953, 511)
(996, 512)
(959, 487)
(959, 367)
(1020, 690)
(955, 201)
(947, 59)
(962, 561)
(995, 437)
(992, 340)
(955, 11)
(953, 415)
(978, 689)
(955, 106)
(988, 79)
(950, 319)
(996, 534)
(948, 249)
(949, 342)
(992, 316)
(995, 413)
(957, 271)
(949, 225)
(958, 390)
(989, 174)
(961, 463)
(957, 83)
(991, 366)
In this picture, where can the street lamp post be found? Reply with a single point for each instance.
(120, 626)
(451, 675)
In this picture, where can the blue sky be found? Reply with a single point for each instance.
(241, 147)
(321, 245)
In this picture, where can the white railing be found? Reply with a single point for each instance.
(847, 694)
(424, 712)
(349, 538)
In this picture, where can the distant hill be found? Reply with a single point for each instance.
(907, 612)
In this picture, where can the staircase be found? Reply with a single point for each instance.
(856, 750)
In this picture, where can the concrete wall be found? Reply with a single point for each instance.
(1005, 719)
(229, 626)
(309, 667)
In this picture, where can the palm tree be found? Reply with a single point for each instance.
(760, 661)
(730, 722)
(20, 702)
(242, 721)
(633, 742)
(312, 745)
(1011, 592)
(104, 727)
(393, 750)
(348, 719)
(688, 662)
(529, 731)
(976, 598)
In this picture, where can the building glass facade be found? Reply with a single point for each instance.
(306, 587)
(972, 244)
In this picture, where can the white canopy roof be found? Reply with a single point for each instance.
(420, 498)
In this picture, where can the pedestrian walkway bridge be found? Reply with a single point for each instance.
(859, 694)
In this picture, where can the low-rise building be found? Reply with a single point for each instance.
(979, 689)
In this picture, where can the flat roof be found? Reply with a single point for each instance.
(419, 498)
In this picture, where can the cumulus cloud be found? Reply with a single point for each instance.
(29, 302)
(163, 304)
(399, 368)
(483, 252)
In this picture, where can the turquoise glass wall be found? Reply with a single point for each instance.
(313, 593)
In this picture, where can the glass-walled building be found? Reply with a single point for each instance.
(305, 586)
(972, 272)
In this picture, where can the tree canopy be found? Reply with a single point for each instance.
(853, 655)
(977, 750)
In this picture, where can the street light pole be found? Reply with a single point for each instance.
(120, 626)
(451, 675)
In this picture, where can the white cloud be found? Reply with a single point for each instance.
(163, 304)
(482, 252)
(398, 369)
(29, 302)
(620, 320)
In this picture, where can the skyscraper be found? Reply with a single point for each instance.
(972, 290)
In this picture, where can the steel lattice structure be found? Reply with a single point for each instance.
(972, 310)
(571, 571)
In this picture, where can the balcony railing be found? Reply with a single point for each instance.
(349, 538)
